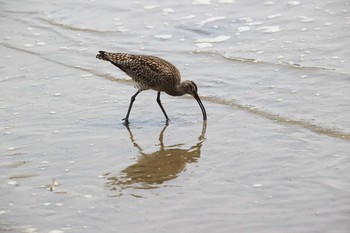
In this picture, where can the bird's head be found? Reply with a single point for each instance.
(189, 87)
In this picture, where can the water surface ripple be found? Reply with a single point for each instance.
(272, 157)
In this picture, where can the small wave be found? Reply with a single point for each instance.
(21, 12)
(73, 27)
(280, 119)
(94, 72)
(12, 78)
(253, 60)
(210, 20)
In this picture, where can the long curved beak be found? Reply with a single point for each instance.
(201, 106)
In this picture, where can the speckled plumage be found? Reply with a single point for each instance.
(150, 72)
(147, 72)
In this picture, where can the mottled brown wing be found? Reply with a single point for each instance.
(148, 72)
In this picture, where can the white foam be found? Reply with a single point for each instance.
(212, 19)
(12, 182)
(246, 19)
(29, 230)
(306, 19)
(269, 29)
(226, 1)
(188, 17)
(85, 75)
(254, 23)
(28, 45)
(293, 3)
(122, 29)
(163, 36)
(269, 3)
(150, 7)
(243, 29)
(217, 39)
(204, 45)
(274, 16)
(201, 2)
(3, 212)
(168, 10)
(56, 231)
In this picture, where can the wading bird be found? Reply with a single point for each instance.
(150, 72)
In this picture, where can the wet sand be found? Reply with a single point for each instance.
(272, 157)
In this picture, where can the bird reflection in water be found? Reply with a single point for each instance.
(153, 169)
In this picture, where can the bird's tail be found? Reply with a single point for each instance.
(103, 56)
(115, 58)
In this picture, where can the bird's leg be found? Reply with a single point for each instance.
(161, 107)
(126, 119)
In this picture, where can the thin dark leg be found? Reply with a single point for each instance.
(126, 119)
(161, 106)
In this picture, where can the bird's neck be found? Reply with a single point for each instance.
(176, 90)
(179, 89)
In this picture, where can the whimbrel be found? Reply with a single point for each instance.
(150, 72)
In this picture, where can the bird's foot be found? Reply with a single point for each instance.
(167, 120)
(126, 121)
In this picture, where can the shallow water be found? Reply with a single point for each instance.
(273, 156)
